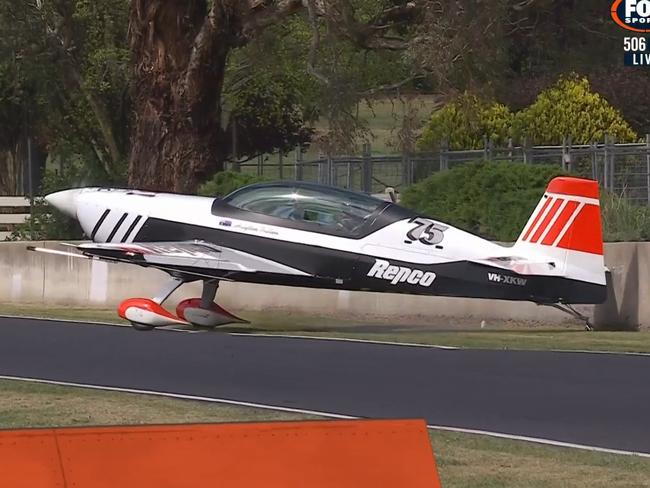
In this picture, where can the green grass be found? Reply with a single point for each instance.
(464, 460)
(444, 332)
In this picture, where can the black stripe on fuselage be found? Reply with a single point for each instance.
(131, 227)
(337, 269)
(116, 228)
(99, 223)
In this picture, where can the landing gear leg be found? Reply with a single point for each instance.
(203, 312)
(567, 308)
(208, 293)
(170, 287)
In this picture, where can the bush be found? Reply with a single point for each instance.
(465, 122)
(570, 109)
(622, 220)
(47, 223)
(226, 182)
(493, 200)
(567, 109)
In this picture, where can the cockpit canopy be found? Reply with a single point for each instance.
(325, 206)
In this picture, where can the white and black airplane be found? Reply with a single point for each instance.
(302, 234)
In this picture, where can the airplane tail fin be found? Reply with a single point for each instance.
(566, 228)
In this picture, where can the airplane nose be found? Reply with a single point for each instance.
(64, 201)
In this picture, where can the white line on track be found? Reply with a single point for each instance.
(536, 440)
(340, 339)
(344, 339)
(94, 322)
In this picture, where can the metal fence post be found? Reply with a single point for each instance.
(235, 167)
(260, 165)
(366, 180)
(349, 175)
(526, 150)
(330, 177)
(280, 166)
(647, 165)
(612, 164)
(444, 160)
(606, 163)
(406, 169)
(297, 165)
(593, 148)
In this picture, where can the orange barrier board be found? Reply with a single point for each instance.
(313, 454)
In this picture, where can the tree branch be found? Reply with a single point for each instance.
(263, 13)
(371, 35)
(315, 44)
(388, 86)
(203, 46)
(64, 44)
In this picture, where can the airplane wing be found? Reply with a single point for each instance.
(194, 258)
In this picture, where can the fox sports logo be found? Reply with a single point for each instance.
(633, 15)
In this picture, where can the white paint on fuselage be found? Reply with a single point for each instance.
(387, 242)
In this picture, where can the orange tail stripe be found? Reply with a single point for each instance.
(537, 217)
(586, 233)
(561, 221)
(547, 219)
(578, 187)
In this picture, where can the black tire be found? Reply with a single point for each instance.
(204, 327)
(141, 327)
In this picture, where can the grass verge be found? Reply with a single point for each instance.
(445, 332)
(463, 459)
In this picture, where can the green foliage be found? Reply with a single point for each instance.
(226, 182)
(464, 122)
(622, 220)
(47, 223)
(10, 105)
(567, 109)
(493, 200)
(570, 109)
(268, 115)
(68, 63)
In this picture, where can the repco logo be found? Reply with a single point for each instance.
(632, 15)
(400, 274)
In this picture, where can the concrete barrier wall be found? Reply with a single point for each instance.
(29, 277)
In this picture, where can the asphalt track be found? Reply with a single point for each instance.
(599, 400)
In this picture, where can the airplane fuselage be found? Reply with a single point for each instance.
(395, 250)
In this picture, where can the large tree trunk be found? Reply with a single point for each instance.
(179, 53)
(10, 172)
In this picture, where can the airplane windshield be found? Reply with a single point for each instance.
(340, 210)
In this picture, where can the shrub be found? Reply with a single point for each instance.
(226, 182)
(47, 223)
(570, 109)
(465, 122)
(493, 200)
(567, 109)
(622, 220)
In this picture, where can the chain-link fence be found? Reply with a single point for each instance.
(620, 168)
